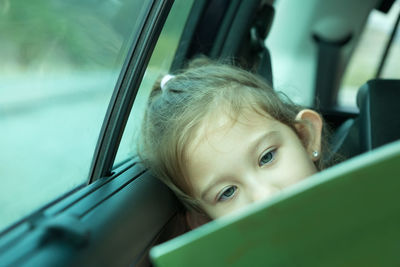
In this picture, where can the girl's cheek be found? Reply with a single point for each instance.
(237, 204)
(218, 210)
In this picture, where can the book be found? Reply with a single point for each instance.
(347, 215)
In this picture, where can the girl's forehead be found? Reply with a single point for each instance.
(246, 116)
(223, 123)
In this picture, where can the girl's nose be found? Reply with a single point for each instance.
(263, 192)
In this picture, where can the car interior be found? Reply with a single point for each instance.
(122, 211)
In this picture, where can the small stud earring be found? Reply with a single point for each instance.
(315, 154)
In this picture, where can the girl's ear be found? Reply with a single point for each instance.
(309, 129)
(195, 219)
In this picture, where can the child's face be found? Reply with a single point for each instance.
(234, 164)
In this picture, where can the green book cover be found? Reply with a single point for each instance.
(348, 215)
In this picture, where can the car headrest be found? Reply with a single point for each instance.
(378, 101)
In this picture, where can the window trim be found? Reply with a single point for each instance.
(75, 230)
(126, 89)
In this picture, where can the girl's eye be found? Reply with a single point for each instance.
(267, 157)
(227, 193)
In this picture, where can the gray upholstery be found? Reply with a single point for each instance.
(379, 105)
(378, 122)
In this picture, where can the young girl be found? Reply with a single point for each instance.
(221, 139)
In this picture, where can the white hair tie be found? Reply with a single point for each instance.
(164, 81)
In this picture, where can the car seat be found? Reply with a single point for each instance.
(378, 122)
(378, 101)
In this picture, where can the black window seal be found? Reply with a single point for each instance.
(126, 90)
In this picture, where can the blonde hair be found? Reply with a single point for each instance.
(175, 113)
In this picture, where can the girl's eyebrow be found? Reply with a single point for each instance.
(261, 140)
(253, 147)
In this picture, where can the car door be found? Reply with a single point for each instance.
(105, 208)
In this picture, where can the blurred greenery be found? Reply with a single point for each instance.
(83, 34)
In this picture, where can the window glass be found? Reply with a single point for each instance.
(365, 60)
(159, 64)
(60, 61)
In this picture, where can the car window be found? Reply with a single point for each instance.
(159, 64)
(366, 58)
(60, 63)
